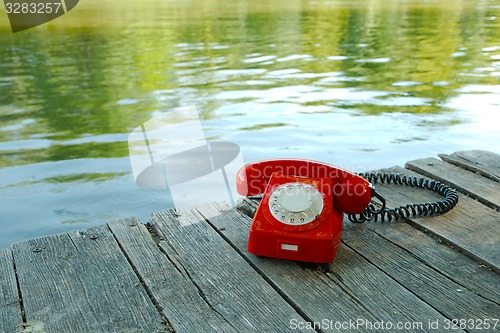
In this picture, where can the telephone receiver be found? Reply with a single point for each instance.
(301, 211)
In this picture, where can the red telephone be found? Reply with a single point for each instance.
(300, 214)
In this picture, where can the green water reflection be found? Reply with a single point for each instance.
(73, 89)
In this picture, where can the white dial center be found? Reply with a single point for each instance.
(296, 198)
(296, 203)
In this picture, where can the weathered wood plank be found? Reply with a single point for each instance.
(436, 255)
(167, 281)
(470, 226)
(230, 286)
(482, 162)
(444, 278)
(82, 282)
(10, 307)
(478, 187)
(353, 288)
(450, 295)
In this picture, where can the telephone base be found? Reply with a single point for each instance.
(320, 248)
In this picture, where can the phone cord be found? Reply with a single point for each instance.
(383, 213)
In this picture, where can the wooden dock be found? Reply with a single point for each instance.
(189, 271)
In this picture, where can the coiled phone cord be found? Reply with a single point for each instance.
(383, 213)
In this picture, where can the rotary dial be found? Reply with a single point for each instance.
(296, 203)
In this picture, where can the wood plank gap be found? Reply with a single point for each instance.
(181, 302)
(256, 268)
(447, 242)
(475, 186)
(456, 247)
(346, 291)
(423, 249)
(248, 206)
(485, 163)
(328, 273)
(451, 263)
(405, 250)
(199, 290)
(449, 227)
(183, 271)
(149, 292)
(75, 247)
(468, 167)
(293, 304)
(429, 232)
(231, 285)
(19, 292)
(175, 263)
(94, 289)
(394, 279)
(438, 271)
(440, 292)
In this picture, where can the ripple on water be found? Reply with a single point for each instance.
(259, 59)
(406, 84)
(374, 60)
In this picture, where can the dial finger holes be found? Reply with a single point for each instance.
(296, 203)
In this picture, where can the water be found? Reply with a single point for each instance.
(359, 84)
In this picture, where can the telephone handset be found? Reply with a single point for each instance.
(301, 211)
